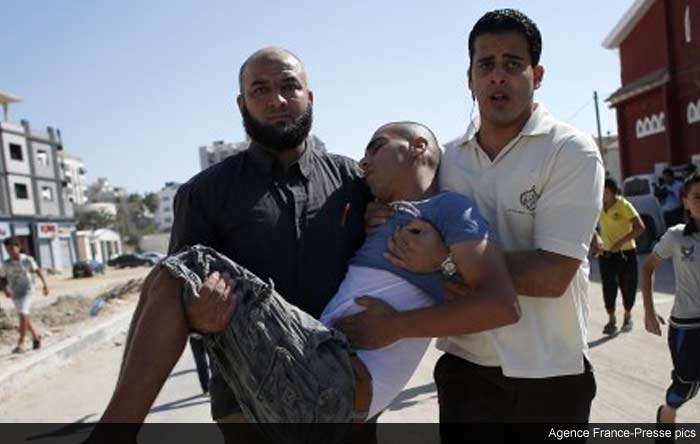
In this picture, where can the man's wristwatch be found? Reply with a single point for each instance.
(448, 268)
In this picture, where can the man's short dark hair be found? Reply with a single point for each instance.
(667, 171)
(12, 241)
(506, 20)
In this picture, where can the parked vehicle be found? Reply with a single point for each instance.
(87, 268)
(156, 256)
(641, 191)
(130, 260)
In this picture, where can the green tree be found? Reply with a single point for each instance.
(151, 202)
(93, 220)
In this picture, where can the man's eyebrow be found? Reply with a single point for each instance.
(375, 141)
(259, 82)
(513, 56)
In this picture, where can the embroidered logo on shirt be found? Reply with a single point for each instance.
(687, 252)
(529, 198)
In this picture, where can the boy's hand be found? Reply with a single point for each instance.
(653, 322)
(376, 214)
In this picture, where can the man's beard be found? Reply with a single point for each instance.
(275, 137)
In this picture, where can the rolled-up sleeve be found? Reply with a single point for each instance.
(571, 200)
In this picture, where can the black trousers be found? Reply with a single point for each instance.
(471, 393)
(619, 270)
(201, 360)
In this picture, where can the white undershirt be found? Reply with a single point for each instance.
(391, 367)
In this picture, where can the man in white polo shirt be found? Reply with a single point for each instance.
(539, 182)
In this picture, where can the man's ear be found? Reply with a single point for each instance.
(241, 102)
(469, 82)
(418, 147)
(311, 97)
(538, 75)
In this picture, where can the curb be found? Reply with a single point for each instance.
(14, 376)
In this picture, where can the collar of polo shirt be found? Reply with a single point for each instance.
(540, 122)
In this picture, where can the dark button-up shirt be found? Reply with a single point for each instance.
(298, 226)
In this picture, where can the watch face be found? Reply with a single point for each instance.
(449, 267)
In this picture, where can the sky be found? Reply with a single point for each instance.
(136, 87)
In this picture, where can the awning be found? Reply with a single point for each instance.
(641, 85)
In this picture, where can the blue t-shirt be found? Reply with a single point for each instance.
(453, 215)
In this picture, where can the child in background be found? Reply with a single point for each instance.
(682, 243)
(18, 270)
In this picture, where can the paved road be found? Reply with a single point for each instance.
(632, 371)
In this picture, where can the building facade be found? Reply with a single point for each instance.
(74, 173)
(658, 104)
(164, 213)
(99, 245)
(218, 151)
(34, 205)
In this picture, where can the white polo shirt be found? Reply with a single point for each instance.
(544, 190)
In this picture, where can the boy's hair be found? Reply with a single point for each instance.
(690, 225)
(12, 241)
(506, 20)
(611, 184)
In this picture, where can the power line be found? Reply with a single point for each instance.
(573, 116)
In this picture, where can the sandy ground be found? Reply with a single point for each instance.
(66, 310)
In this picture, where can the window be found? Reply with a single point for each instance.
(21, 191)
(42, 158)
(168, 220)
(47, 194)
(16, 152)
(166, 209)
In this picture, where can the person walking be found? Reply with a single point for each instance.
(680, 243)
(620, 224)
(18, 270)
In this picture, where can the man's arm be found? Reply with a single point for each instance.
(539, 273)
(420, 249)
(492, 303)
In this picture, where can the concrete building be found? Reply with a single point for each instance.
(74, 173)
(34, 205)
(218, 151)
(102, 191)
(658, 104)
(100, 245)
(164, 213)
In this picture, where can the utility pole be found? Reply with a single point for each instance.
(597, 121)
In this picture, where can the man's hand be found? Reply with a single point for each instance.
(653, 322)
(214, 308)
(377, 214)
(417, 247)
(372, 328)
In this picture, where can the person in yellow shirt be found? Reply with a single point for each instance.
(619, 226)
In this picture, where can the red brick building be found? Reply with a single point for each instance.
(658, 105)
